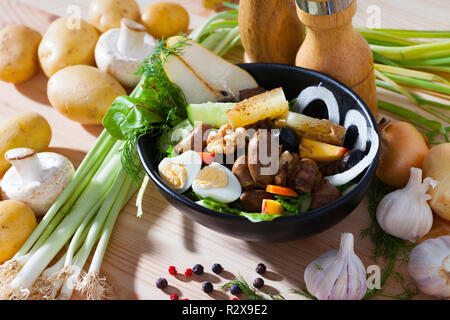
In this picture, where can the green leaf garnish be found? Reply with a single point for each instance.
(126, 115)
(154, 106)
(295, 206)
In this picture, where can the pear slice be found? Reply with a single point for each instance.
(216, 73)
(194, 88)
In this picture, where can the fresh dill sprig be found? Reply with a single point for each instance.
(249, 292)
(156, 90)
(154, 95)
(303, 292)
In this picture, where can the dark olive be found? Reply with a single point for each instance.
(350, 159)
(289, 139)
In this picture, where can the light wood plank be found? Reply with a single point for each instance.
(141, 250)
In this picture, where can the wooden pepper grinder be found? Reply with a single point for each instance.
(270, 30)
(332, 46)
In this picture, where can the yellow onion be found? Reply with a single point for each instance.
(437, 166)
(402, 147)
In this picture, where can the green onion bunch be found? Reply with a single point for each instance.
(408, 66)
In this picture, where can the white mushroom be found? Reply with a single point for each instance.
(35, 179)
(120, 51)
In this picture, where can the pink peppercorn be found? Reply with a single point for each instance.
(188, 272)
(174, 297)
(173, 270)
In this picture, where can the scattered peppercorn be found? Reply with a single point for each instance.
(235, 299)
(174, 297)
(185, 299)
(258, 283)
(217, 268)
(207, 287)
(198, 269)
(235, 289)
(161, 283)
(188, 272)
(261, 268)
(173, 270)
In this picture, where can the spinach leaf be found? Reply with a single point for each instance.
(259, 217)
(224, 208)
(126, 115)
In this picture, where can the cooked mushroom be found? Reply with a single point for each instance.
(240, 170)
(35, 179)
(288, 165)
(306, 177)
(262, 162)
(120, 51)
(324, 194)
(194, 140)
(251, 200)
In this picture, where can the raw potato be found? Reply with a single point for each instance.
(437, 166)
(83, 93)
(26, 130)
(64, 44)
(165, 19)
(17, 222)
(106, 14)
(18, 53)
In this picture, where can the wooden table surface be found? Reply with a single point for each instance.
(141, 250)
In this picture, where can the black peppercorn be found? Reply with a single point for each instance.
(235, 289)
(198, 269)
(207, 287)
(258, 283)
(261, 268)
(161, 283)
(217, 268)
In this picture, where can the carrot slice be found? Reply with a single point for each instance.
(282, 191)
(207, 157)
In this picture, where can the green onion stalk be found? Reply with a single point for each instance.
(220, 32)
(82, 218)
(93, 193)
(404, 64)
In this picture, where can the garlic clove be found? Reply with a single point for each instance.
(429, 265)
(405, 212)
(337, 274)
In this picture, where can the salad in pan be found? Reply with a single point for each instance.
(242, 149)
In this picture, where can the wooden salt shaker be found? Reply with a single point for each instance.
(270, 30)
(332, 46)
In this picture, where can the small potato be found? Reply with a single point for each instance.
(18, 53)
(106, 14)
(65, 44)
(17, 222)
(165, 19)
(26, 130)
(83, 93)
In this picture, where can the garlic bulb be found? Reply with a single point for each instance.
(337, 275)
(405, 213)
(429, 265)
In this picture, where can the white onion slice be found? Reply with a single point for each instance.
(354, 117)
(347, 176)
(310, 94)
